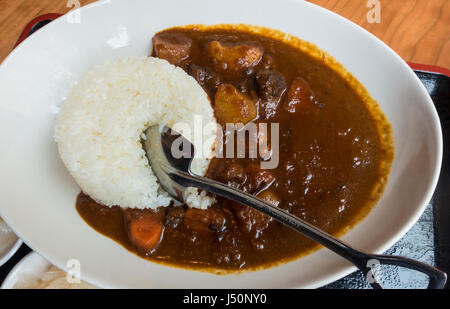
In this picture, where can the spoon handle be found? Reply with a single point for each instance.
(364, 262)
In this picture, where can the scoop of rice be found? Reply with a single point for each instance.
(100, 125)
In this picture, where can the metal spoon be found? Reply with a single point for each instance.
(175, 176)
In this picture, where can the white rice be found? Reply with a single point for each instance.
(98, 129)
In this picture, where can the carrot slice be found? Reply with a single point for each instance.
(144, 228)
(301, 98)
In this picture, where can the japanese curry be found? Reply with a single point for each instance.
(335, 152)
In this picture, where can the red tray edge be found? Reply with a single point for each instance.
(34, 21)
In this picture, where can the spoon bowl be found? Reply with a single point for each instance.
(158, 146)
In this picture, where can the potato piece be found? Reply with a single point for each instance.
(301, 98)
(204, 220)
(254, 221)
(173, 47)
(235, 59)
(232, 106)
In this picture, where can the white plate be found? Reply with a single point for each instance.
(31, 266)
(37, 194)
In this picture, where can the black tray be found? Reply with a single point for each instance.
(428, 240)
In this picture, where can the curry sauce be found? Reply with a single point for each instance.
(335, 150)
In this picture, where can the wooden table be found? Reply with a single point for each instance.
(418, 30)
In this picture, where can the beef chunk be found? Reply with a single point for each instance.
(257, 178)
(204, 220)
(174, 217)
(173, 47)
(253, 221)
(269, 197)
(207, 79)
(271, 86)
(230, 170)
